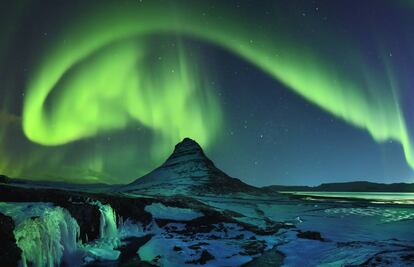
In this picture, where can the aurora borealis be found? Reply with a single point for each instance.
(102, 91)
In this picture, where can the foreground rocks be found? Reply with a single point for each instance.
(9, 252)
(199, 236)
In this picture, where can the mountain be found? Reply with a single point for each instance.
(359, 186)
(188, 170)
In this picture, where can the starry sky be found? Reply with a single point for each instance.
(277, 92)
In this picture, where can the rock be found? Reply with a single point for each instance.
(408, 257)
(204, 258)
(131, 245)
(270, 258)
(177, 248)
(4, 179)
(88, 218)
(311, 235)
(10, 254)
(253, 247)
(157, 258)
(198, 245)
(239, 237)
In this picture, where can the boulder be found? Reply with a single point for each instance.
(311, 235)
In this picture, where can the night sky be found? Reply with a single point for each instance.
(277, 92)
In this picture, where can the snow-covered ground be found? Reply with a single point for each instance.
(160, 211)
(225, 231)
(353, 233)
(226, 244)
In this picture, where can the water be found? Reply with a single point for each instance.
(400, 198)
(355, 232)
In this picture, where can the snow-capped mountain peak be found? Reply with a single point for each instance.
(188, 170)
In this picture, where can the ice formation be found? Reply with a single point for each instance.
(49, 236)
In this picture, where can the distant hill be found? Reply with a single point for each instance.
(360, 186)
(97, 187)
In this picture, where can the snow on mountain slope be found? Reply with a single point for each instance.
(188, 170)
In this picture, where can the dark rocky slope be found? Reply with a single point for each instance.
(9, 252)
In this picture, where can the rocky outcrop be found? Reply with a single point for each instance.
(311, 235)
(9, 252)
(88, 218)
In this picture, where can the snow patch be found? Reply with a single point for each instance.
(160, 211)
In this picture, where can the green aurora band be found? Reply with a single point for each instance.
(95, 77)
(117, 84)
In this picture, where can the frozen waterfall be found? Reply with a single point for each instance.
(49, 236)
(104, 247)
(46, 235)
